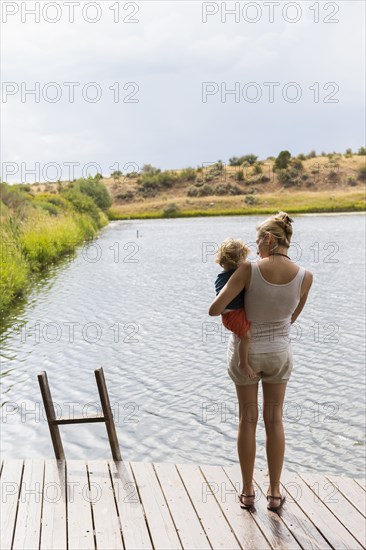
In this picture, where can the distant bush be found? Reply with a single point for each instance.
(151, 170)
(348, 153)
(149, 185)
(282, 160)
(240, 175)
(132, 174)
(82, 202)
(297, 164)
(14, 198)
(351, 180)
(301, 156)
(362, 173)
(44, 205)
(96, 190)
(203, 191)
(98, 176)
(362, 151)
(311, 155)
(250, 200)
(188, 174)
(333, 175)
(228, 189)
(288, 178)
(170, 211)
(127, 195)
(238, 161)
(264, 179)
(283, 176)
(116, 174)
(257, 168)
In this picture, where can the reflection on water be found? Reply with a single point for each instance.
(136, 301)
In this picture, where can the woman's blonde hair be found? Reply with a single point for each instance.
(231, 252)
(279, 226)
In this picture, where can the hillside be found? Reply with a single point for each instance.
(321, 183)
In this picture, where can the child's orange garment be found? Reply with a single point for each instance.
(236, 321)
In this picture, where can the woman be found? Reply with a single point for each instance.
(275, 293)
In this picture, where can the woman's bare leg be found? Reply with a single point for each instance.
(248, 417)
(273, 396)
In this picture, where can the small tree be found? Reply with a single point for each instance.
(151, 170)
(282, 160)
(362, 151)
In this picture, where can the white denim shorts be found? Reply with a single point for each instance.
(273, 367)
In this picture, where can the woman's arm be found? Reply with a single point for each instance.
(308, 281)
(233, 287)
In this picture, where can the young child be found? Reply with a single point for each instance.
(231, 252)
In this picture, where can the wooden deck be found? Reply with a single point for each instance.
(109, 505)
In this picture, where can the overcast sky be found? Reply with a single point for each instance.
(175, 63)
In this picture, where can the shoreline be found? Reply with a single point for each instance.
(112, 216)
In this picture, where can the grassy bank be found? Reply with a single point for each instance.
(37, 231)
(294, 202)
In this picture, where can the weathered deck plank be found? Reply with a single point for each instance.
(107, 527)
(131, 513)
(186, 521)
(79, 512)
(28, 523)
(212, 518)
(305, 532)
(54, 527)
(346, 514)
(161, 526)
(351, 490)
(241, 521)
(11, 477)
(270, 523)
(332, 530)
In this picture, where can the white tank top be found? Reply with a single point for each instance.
(269, 307)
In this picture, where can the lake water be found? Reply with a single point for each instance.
(135, 303)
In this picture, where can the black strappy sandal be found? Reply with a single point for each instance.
(249, 501)
(273, 507)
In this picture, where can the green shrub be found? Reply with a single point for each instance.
(351, 180)
(362, 151)
(188, 174)
(171, 211)
(127, 195)
(250, 200)
(240, 175)
(150, 170)
(81, 202)
(13, 197)
(257, 168)
(227, 189)
(333, 175)
(311, 155)
(203, 191)
(301, 156)
(96, 190)
(44, 205)
(238, 161)
(283, 176)
(297, 164)
(362, 173)
(282, 160)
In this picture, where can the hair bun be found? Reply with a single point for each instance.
(283, 217)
